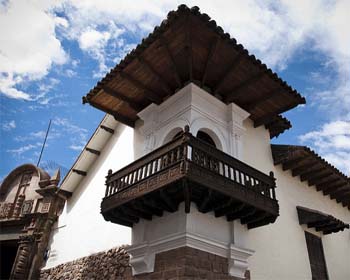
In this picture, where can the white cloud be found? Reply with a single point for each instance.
(76, 147)
(77, 135)
(332, 141)
(9, 125)
(19, 151)
(28, 44)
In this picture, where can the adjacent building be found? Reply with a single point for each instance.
(30, 202)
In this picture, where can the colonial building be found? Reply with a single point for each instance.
(30, 203)
(182, 175)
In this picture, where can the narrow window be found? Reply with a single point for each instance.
(316, 257)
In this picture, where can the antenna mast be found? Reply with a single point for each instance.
(42, 148)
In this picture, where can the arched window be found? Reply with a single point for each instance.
(206, 138)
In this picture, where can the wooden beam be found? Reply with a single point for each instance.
(173, 66)
(321, 180)
(338, 195)
(187, 196)
(108, 129)
(203, 207)
(303, 169)
(168, 201)
(189, 48)
(264, 98)
(149, 203)
(247, 211)
(79, 172)
(149, 94)
(213, 47)
(330, 225)
(294, 163)
(313, 179)
(118, 117)
(154, 72)
(327, 189)
(120, 213)
(235, 63)
(237, 91)
(264, 119)
(93, 151)
(254, 218)
(310, 174)
(263, 222)
(224, 208)
(327, 185)
(136, 213)
(131, 103)
(120, 221)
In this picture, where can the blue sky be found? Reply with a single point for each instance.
(58, 50)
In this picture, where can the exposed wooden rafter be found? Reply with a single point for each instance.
(117, 116)
(320, 221)
(108, 129)
(262, 120)
(304, 168)
(154, 72)
(175, 71)
(235, 63)
(264, 98)
(149, 94)
(93, 151)
(314, 174)
(238, 90)
(313, 169)
(131, 102)
(79, 172)
(211, 53)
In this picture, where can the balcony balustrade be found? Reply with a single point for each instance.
(189, 170)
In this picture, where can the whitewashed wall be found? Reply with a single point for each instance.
(81, 229)
(281, 251)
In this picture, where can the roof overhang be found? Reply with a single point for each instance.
(89, 154)
(320, 221)
(304, 162)
(189, 47)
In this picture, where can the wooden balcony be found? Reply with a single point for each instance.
(190, 170)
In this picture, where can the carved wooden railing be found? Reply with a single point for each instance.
(187, 149)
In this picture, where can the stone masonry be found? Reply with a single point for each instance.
(178, 264)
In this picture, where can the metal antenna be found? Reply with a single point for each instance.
(42, 148)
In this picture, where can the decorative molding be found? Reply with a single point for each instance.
(143, 255)
(238, 263)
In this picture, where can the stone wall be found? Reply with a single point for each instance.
(111, 264)
(181, 263)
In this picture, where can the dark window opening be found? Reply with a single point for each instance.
(316, 257)
(206, 138)
(8, 252)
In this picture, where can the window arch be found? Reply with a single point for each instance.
(205, 137)
(172, 134)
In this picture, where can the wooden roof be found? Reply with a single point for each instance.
(315, 170)
(320, 221)
(189, 47)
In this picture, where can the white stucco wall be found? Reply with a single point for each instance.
(81, 229)
(280, 248)
(281, 251)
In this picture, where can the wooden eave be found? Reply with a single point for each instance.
(320, 221)
(304, 162)
(190, 47)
